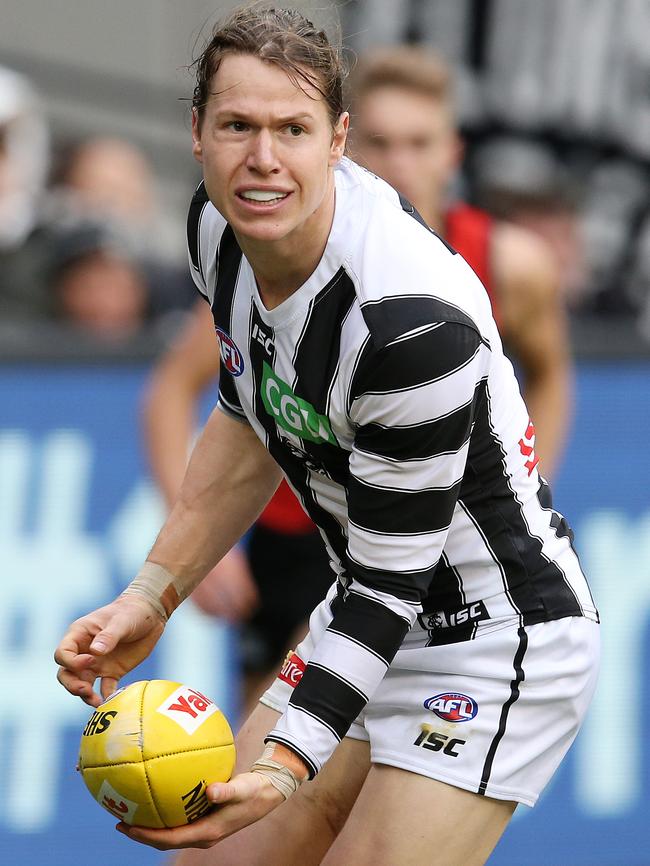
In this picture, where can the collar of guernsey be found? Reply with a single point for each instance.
(284, 513)
(349, 212)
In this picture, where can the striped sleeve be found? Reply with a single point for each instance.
(214, 257)
(413, 403)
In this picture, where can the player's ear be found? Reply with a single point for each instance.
(339, 137)
(197, 148)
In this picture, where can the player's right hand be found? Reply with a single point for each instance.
(106, 644)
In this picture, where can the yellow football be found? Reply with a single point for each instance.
(148, 753)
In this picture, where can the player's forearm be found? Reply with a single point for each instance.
(548, 398)
(168, 422)
(229, 479)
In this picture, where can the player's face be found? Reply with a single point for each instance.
(408, 139)
(267, 148)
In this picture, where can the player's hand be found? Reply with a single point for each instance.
(241, 801)
(107, 643)
(228, 591)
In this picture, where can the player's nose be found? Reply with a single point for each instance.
(262, 155)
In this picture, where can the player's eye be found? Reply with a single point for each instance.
(294, 130)
(238, 126)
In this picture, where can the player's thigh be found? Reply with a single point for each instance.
(299, 832)
(402, 817)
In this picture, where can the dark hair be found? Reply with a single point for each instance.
(280, 36)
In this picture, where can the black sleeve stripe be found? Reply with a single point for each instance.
(406, 455)
(357, 642)
(429, 356)
(314, 716)
(197, 205)
(327, 698)
(370, 624)
(367, 574)
(392, 512)
(411, 375)
(276, 738)
(342, 678)
(228, 392)
(409, 587)
(445, 435)
(393, 316)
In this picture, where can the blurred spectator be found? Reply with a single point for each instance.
(111, 180)
(24, 155)
(403, 129)
(110, 175)
(523, 182)
(98, 285)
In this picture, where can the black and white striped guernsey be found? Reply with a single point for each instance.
(381, 389)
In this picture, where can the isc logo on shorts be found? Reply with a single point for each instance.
(230, 354)
(292, 670)
(452, 706)
(188, 708)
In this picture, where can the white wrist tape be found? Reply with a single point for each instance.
(160, 588)
(281, 777)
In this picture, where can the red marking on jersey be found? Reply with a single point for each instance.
(469, 231)
(527, 448)
(285, 514)
(292, 670)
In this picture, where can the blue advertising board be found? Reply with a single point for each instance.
(78, 513)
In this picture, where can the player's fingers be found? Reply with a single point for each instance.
(238, 790)
(74, 661)
(108, 686)
(79, 687)
(189, 836)
(117, 628)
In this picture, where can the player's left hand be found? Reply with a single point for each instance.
(241, 801)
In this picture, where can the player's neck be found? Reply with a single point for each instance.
(282, 266)
(433, 214)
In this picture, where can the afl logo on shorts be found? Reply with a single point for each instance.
(452, 707)
(230, 354)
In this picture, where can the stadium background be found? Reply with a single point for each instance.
(78, 509)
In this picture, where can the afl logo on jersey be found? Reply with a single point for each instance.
(452, 707)
(230, 354)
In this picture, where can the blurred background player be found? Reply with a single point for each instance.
(272, 585)
(404, 130)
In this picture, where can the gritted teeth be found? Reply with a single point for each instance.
(263, 194)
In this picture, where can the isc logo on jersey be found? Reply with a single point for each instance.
(188, 708)
(230, 354)
(452, 706)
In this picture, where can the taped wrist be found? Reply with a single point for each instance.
(280, 776)
(160, 588)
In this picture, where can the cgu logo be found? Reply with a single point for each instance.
(292, 669)
(452, 707)
(230, 354)
(188, 708)
(291, 412)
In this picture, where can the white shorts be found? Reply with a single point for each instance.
(494, 715)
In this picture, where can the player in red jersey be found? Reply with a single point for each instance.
(403, 129)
